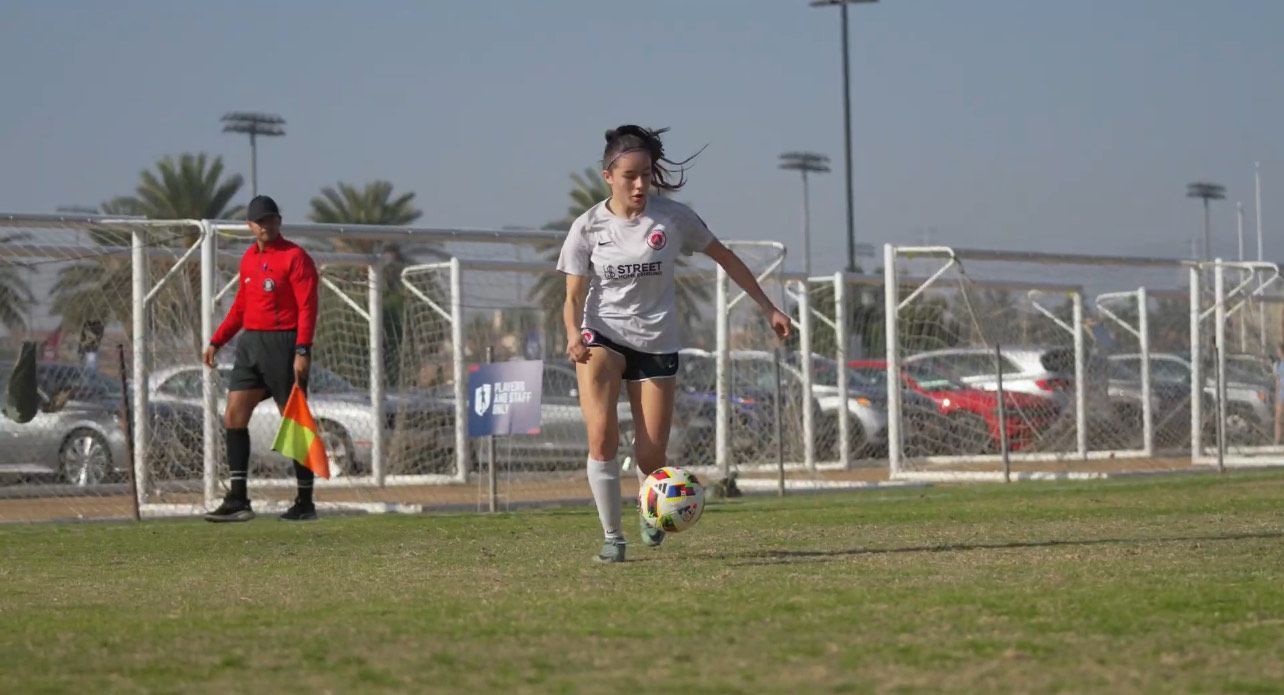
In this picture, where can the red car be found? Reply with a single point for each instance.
(972, 410)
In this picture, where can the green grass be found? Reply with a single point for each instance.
(1159, 585)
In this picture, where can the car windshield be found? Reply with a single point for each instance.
(930, 380)
(700, 373)
(1246, 371)
(867, 378)
(84, 384)
(824, 371)
(1162, 371)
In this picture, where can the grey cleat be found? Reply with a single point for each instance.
(612, 551)
(651, 536)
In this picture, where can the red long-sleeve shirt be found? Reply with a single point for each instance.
(277, 291)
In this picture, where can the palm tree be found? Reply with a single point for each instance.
(374, 204)
(15, 293)
(588, 190)
(190, 186)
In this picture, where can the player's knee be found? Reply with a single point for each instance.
(235, 418)
(603, 446)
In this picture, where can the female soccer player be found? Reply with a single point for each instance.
(621, 315)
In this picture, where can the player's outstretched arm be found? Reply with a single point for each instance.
(740, 273)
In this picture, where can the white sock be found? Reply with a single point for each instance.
(641, 475)
(604, 481)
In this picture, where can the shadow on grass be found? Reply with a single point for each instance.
(774, 557)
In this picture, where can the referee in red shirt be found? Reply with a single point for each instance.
(276, 304)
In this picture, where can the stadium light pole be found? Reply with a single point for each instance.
(805, 163)
(847, 121)
(1257, 219)
(1257, 203)
(253, 124)
(1206, 191)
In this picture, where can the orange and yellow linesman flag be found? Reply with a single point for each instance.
(298, 437)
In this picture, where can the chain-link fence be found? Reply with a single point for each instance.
(1238, 363)
(1037, 364)
(68, 292)
(1034, 365)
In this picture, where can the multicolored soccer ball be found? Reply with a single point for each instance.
(671, 499)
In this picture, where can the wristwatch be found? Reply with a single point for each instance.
(302, 350)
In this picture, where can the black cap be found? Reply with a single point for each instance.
(261, 207)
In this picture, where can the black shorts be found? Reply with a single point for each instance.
(638, 366)
(264, 360)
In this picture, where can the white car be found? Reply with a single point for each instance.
(342, 412)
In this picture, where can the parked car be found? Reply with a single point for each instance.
(1113, 416)
(342, 411)
(752, 401)
(867, 406)
(972, 415)
(1250, 415)
(1250, 369)
(1041, 371)
(1170, 394)
(924, 430)
(562, 441)
(78, 435)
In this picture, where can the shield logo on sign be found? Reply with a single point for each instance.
(481, 399)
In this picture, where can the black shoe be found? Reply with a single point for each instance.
(300, 511)
(231, 510)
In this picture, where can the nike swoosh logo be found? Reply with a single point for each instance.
(603, 243)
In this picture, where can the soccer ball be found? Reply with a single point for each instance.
(671, 500)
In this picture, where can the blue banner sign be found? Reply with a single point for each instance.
(504, 398)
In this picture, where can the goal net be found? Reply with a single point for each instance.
(1035, 365)
(101, 302)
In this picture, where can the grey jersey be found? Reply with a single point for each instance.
(631, 298)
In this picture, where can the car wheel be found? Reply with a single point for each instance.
(339, 450)
(970, 434)
(859, 443)
(84, 458)
(827, 440)
(1243, 429)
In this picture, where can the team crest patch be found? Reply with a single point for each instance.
(588, 336)
(657, 239)
(268, 284)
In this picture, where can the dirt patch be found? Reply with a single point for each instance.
(514, 491)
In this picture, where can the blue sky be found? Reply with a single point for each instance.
(1025, 124)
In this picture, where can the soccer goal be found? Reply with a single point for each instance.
(105, 301)
(1236, 332)
(1011, 365)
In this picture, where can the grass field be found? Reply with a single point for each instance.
(1160, 585)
